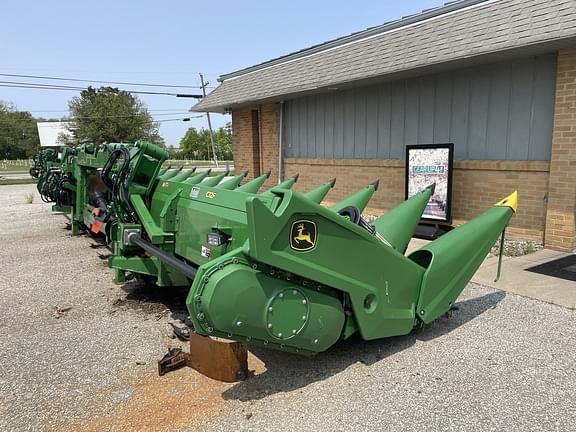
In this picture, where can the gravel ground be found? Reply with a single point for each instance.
(501, 362)
(57, 366)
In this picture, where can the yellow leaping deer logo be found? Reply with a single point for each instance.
(303, 235)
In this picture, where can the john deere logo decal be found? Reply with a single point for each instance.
(303, 235)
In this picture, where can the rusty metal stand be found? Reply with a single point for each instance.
(219, 359)
(175, 359)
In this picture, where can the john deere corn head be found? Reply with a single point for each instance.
(89, 194)
(278, 269)
(50, 168)
(70, 178)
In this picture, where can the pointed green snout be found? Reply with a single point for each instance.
(397, 226)
(318, 194)
(163, 170)
(198, 177)
(253, 185)
(358, 199)
(183, 175)
(286, 184)
(213, 181)
(234, 182)
(170, 173)
(452, 260)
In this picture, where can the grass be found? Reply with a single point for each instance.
(22, 165)
(194, 163)
(25, 164)
(29, 198)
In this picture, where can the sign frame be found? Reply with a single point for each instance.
(450, 146)
(49, 132)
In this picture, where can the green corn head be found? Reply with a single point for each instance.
(70, 178)
(278, 269)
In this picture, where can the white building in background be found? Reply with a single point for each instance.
(49, 132)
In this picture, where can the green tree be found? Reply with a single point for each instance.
(196, 144)
(223, 136)
(18, 133)
(173, 152)
(108, 114)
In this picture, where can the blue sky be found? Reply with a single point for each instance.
(166, 43)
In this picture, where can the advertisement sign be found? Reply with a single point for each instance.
(50, 131)
(427, 164)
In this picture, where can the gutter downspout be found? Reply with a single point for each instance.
(281, 144)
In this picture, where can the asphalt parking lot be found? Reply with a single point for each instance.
(78, 352)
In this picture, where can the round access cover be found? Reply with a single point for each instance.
(287, 313)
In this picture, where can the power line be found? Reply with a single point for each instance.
(38, 84)
(179, 119)
(52, 78)
(172, 110)
(133, 115)
(120, 116)
(129, 116)
(28, 85)
(157, 121)
(187, 118)
(168, 113)
(40, 87)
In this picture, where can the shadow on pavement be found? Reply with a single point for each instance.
(287, 372)
(145, 296)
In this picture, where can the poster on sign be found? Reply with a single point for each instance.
(427, 164)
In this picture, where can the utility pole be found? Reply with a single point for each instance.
(203, 87)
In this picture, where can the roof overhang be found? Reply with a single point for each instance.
(442, 41)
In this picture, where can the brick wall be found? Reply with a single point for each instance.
(351, 175)
(244, 137)
(477, 186)
(560, 223)
(242, 141)
(270, 123)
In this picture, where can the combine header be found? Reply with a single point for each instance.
(51, 167)
(276, 268)
(71, 179)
